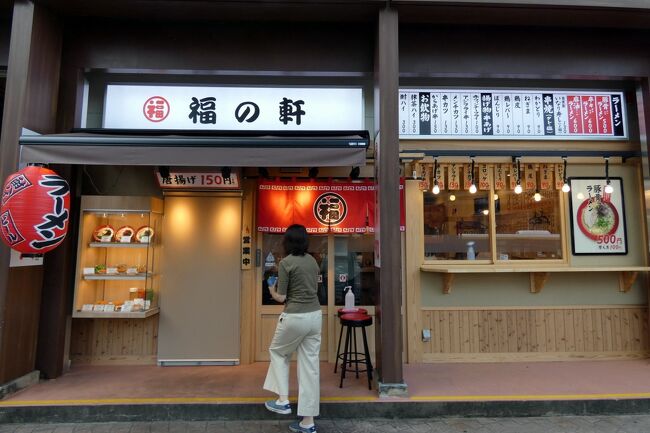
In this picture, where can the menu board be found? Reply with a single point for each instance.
(511, 114)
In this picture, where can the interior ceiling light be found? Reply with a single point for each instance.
(537, 196)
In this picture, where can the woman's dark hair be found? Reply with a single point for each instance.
(295, 240)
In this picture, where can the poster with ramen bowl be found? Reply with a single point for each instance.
(597, 216)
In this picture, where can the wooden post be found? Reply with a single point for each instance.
(643, 106)
(30, 98)
(388, 330)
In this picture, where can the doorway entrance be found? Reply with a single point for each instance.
(344, 260)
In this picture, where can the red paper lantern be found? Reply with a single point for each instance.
(35, 210)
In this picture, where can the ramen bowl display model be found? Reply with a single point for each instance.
(144, 234)
(124, 234)
(103, 233)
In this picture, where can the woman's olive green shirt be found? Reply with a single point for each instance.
(298, 280)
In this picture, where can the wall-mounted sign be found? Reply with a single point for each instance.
(511, 114)
(233, 108)
(597, 217)
(198, 180)
(322, 207)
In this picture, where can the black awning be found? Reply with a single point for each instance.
(191, 148)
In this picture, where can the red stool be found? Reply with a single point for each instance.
(351, 321)
(341, 311)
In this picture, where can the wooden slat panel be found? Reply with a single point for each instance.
(611, 331)
(569, 331)
(133, 341)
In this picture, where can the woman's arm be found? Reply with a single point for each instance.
(275, 295)
(279, 290)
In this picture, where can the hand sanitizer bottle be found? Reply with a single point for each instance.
(471, 254)
(349, 297)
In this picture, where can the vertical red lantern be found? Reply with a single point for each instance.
(35, 210)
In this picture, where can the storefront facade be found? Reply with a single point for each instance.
(432, 298)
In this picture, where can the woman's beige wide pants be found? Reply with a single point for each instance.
(299, 332)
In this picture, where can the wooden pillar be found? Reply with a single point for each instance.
(30, 102)
(388, 261)
(643, 109)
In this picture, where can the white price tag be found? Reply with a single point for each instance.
(144, 240)
(89, 271)
(87, 307)
(106, 238)
(125, 239)
(111, 270)
(132, 271)
(109, 307)
(98, 307)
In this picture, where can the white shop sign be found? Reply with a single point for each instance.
(233, 108)
(481, 114)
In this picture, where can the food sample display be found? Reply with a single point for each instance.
(103, 233)
(118, 273)
(144, 234)
(124, 234)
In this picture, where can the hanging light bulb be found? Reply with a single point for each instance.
(486, 212)
(436, 188)
(608, 188)
(472, 188)
(537, 196)
(495, 196)
(518, 188)
(565, 184)
(452, 197)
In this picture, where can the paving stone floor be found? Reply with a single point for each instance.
(563, 424)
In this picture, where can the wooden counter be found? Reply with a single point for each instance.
(538, 273)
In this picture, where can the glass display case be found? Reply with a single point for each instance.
(118, 256)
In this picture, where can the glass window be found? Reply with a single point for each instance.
(456, 225)
(526, 228)
(272, 253)
(354, 266)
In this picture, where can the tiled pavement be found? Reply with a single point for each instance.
(563, 424)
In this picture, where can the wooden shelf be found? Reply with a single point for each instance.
(116, 314)
(117, 277)
(118, 245)
(538, 274)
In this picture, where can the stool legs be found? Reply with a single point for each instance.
(356, 352)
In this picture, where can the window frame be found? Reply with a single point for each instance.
(494, 261)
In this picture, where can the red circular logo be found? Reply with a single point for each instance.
(156, 109)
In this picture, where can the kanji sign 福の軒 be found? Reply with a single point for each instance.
(322, 207)
(511, 114)
(233, 108)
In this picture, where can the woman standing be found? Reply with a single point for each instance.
(298, 329)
